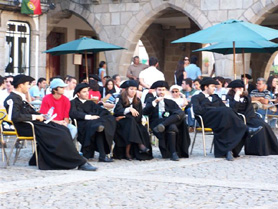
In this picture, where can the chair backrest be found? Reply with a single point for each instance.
(6, 115)
(2, 115)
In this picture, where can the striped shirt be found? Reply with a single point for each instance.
(265, 94)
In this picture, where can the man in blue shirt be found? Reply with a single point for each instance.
(37, 92)
(193, 71)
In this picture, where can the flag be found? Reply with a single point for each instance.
(31, 7)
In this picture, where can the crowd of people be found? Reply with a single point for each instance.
(105, 114)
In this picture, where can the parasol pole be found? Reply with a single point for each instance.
(244, 73)
(234, 58)
(86, 65)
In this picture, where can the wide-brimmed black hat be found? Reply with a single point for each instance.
(18, 79)
(236, 84)
(95, 77)
(208, 81)
(158, 84)
(79, 87)
(129, 83)
(247, 76)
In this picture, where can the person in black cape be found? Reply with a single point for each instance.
(265, 142)
(96, 125)
(168, 123)
(132, 139)
(229, 129)
(54, 142)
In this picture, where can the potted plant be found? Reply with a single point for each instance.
(206, 61)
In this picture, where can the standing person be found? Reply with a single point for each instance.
(178, 75)
(96, 126)
(71, 84)
(229, 130)
(167, 121)
(60, 105)
(148, 76)
(37, 92)
(265, 142)
(246, 80)
(132, 139)
(192, 70)
(135, 69)
(54, 144)
(102, 72)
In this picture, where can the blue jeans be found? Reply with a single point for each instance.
(190, 120)
(272, 122)
(73, 130)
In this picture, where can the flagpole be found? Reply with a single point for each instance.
(234, 58)
(36, 21)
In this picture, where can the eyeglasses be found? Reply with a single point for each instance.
(186, 59)
(8, 81)
(175, 91)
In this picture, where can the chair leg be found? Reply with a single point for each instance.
(211, 145)
(193, 141)
(204, 142)
(11, 151)
(4, 154)
(17, 151)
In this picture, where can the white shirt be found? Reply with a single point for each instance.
(3, 95)
(151, 75)
(69, 94)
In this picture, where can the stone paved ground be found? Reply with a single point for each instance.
(197, 182)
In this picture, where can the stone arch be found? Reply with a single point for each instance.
(138, 24)
(257, 12)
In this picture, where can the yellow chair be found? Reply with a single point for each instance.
(4, 154)
(18, 139)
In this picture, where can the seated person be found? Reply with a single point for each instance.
(265, 142)
(96, 126)
(132, 139)
(262, 95)
(177, 96)
(220, 89)
(248, 86)
(60, 105)
(168, 123)
(54, 144)
(229, 130)
(94, 93)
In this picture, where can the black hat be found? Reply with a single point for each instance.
(236, 84)
(158, 84)
(95, 77)
(129, 83)
(79, 87)
(208, 81)
(18, 79)
(247, 76)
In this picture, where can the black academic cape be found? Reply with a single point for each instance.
(250, 88)
(183, 138)
(229, 129)
(130, 131)
(87, 129)
(263, 143)
(54, 142)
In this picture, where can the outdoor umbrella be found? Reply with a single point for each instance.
(242, 47)
(83, 45)
(231, 31)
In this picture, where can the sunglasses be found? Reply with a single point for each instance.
(175, 91)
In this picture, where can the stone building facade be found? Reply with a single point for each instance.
(125, 22)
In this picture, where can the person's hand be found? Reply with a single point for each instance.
(93, 117)
(61, 122)
(39, 117)
(134, 112)
(158, 99)
(119, 118)
(182, 95)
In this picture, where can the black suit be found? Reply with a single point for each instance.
(87, 129)
(175, 122)
(54, 142)
(229, 130)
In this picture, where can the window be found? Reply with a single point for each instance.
(17, 48)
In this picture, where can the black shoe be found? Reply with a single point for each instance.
(175, 157)
(128, 158)
(253, 131)
(100, 128)
(229, 156)
(105, 159)
(159, 128)
(145, 150)
(87, 167)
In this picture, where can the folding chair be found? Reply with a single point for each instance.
(4, 154)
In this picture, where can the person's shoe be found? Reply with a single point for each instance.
(100, 128)
(159, 128)
(254, 131)
(105, 159)
(4, 144)
(87, 167)
(229, 156)
(145, 150)
(175, 157)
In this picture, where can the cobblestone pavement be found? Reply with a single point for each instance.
(197, 182)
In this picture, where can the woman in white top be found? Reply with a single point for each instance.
(177, 96)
